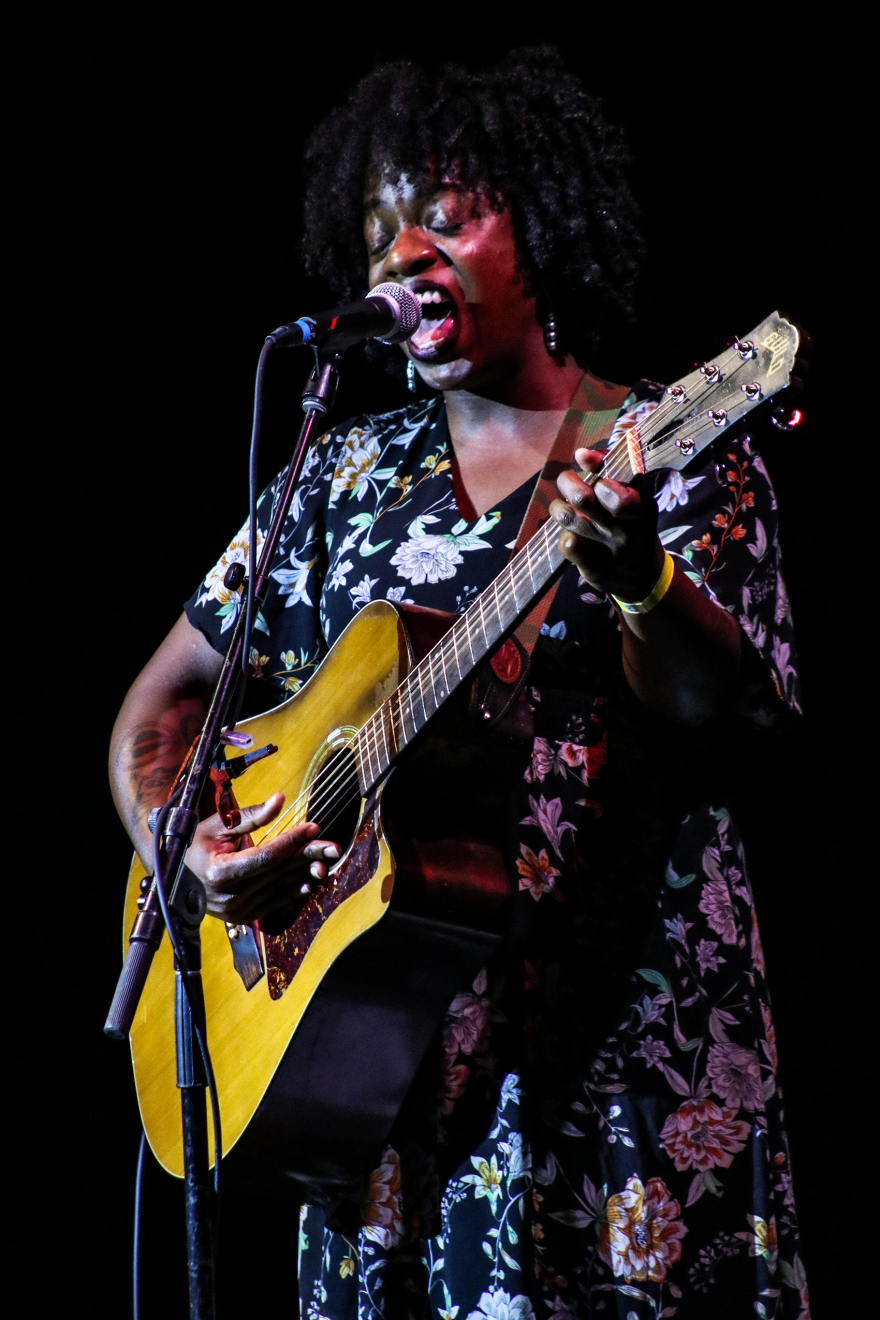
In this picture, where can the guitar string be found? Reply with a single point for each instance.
(616, 465)
(346, 788)
(612, 468)
(333, 788)
(330, 791)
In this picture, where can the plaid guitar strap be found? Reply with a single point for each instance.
(587, 424)
(496, 700)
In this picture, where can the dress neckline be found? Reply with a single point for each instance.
(462, 499)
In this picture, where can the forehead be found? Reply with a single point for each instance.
(401, 190)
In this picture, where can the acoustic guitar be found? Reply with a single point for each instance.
(316, 1032)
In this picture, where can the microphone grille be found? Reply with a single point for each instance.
(410, 313)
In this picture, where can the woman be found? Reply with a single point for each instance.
(599, 1131)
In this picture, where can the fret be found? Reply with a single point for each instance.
(520, 586)
(467, 632)
(501, 610)
(419, 674)
(503, 602)
(528, 555)
(366, 766)
(362, 759)
(393, 700)
(442, 653)
(512, 606)
(401, 737)
(380, 716)
(373, 743)
(480, 607)
(518, 581)
(430, 700)
(414, 724)
(453, 635)
(493, 611)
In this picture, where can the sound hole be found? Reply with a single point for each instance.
(334, 798)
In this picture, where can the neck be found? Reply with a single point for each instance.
(524, 408)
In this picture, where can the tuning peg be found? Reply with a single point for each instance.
(744, 347)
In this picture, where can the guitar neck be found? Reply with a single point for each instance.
(693, 412)
(473, 637)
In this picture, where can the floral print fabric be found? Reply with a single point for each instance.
(599, 1130)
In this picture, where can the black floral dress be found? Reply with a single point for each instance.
(599, 1131)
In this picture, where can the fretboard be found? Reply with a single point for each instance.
(670, 436)
(475, 635)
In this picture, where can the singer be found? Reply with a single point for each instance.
(598, 1130)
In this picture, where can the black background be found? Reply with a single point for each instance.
(159, 205)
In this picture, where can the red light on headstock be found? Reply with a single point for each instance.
(784, 420)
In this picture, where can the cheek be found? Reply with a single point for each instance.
(490, 261)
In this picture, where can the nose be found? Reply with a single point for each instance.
(411, 254)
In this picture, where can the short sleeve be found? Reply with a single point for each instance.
(287, 642)
(720, 523)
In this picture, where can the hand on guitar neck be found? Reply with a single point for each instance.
(682, 657)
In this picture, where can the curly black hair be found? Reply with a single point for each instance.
(527, 136)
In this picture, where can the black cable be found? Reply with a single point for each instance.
(256, 426)
(136, 1252)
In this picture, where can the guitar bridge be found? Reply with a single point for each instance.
(247, 956)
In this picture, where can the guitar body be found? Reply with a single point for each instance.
(314, 1060)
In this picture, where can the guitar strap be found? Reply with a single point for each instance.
(497, 693)
(587, 424)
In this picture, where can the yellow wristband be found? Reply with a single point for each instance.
(664, 582)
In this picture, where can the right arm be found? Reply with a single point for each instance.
(161, 715)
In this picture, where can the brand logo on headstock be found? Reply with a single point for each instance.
(776, 343)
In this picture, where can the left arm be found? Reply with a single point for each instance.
(682, 658)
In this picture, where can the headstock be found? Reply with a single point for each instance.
(704, 404)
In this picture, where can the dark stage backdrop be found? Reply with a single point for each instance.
(161, 195)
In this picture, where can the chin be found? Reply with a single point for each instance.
(455, 375)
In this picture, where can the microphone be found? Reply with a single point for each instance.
(390, 314)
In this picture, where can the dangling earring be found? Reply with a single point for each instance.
(410, 375)
(551, 343)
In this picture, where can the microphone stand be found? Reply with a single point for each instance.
(185, 907)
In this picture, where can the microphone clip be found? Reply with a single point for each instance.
(319, 394)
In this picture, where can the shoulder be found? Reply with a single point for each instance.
(370, 448)
(379, 429)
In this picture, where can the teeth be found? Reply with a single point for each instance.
(431, 296)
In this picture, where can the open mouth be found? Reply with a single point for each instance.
(439, 321)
